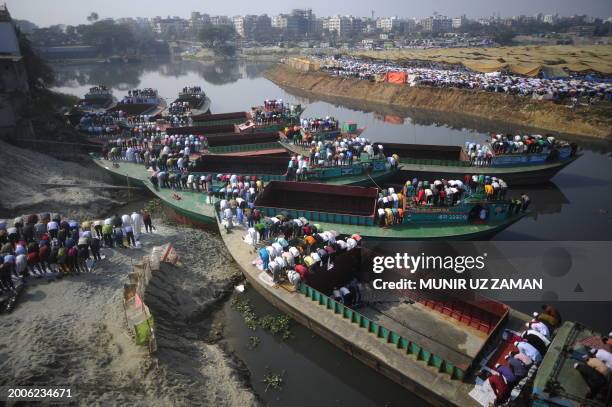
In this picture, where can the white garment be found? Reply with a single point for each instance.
(137, 224)
(605, 357)
(541, 328)
(253, 235)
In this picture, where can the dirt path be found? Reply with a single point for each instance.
(72, 331)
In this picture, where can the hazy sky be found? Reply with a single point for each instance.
(47, 12)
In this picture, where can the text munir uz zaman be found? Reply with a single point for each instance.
(457, 264)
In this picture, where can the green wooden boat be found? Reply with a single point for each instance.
(244, 121)
(348, 209)
(449, 162)
(452, 162)
(557, 382)
(275, 169)
(190, 206)
(423, 225)
(199, 102)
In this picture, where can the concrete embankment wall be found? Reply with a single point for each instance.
(520, 111)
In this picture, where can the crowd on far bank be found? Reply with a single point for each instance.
(462, 78)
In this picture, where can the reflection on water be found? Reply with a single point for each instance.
(576, 205)
(76, 78)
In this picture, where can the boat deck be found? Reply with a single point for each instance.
(185, 202)
(452, 341)
(271, 151)
(405, 166)
(420, 232)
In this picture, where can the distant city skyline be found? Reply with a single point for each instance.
(74, 12)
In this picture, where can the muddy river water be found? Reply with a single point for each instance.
(575, 205)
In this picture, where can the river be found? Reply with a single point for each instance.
(575, 205)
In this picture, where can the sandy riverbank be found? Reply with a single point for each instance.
(583, 121)
(22, 191)
(72, 331)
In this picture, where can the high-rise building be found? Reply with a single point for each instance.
(459, 22)
(437, 24)
(287, 23)
(221, 20)
(388, 24)
(344, 25)
(306, 20)
(198, 20)
(409, 25)
(239, 25)
(253, 27)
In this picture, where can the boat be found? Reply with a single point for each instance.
(98, 99)
(320, 132)
(272, 168)
(191, 207)
(439, 365)
(219, 119)
(259, 119)
(264, 143)
(140, 102)
(557, 382)
(274, 115)
(449, 162)
(196, 98)
(453, 162)
(205, 129)
(350, 209)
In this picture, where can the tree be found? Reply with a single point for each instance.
(93, 17)
(214, 35)
(107, 35)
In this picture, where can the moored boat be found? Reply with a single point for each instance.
(97, 99)
(245, 144)
(318, 129)
(450, 162)
(432, 161)
(140, 102)
(557, 382)
(270, 168)
(349, 209)
(274, 115)
(194, 99)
